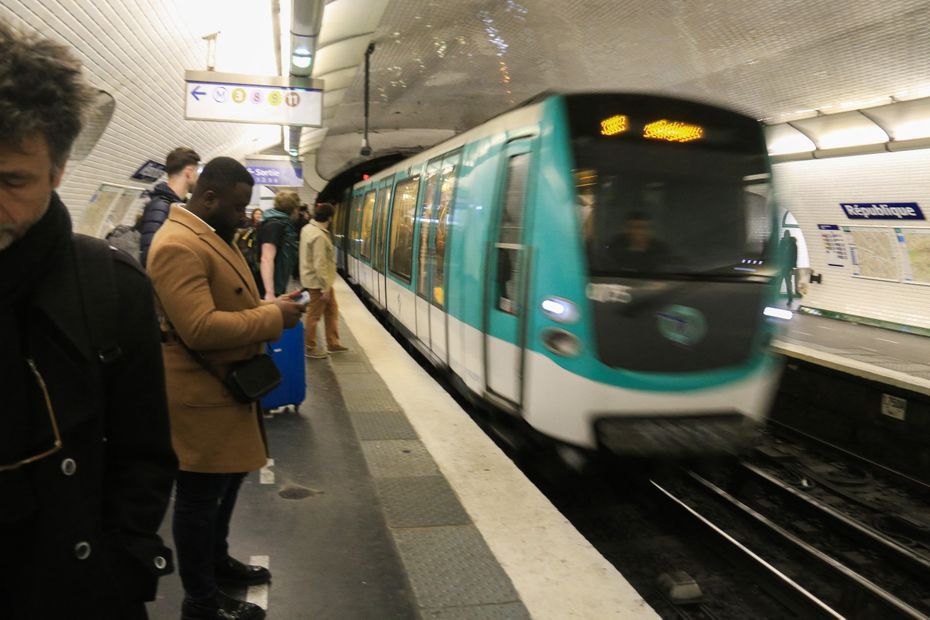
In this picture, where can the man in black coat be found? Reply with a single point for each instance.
(182, 167)
(86, 464)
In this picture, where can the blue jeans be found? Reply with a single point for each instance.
(203, 507)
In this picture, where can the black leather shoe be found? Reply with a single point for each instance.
(222, 607)
(232, 572)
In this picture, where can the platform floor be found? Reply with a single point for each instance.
(874, 353)
(384, 500)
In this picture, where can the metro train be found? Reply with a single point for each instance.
(598, 265)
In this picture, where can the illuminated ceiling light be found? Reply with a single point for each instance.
(301, 58)
(786, 140)
(853, 136)
(912, 130)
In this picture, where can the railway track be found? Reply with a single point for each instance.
(826, 532)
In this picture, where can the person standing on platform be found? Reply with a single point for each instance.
(788, 251)
(86, 464)
(181, 166)
(212, 307)
(277, 242)
(318, 274)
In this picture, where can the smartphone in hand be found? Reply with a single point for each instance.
(301, 296)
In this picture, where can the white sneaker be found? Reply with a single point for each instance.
(315, 353)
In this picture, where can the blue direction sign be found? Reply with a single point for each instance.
(882, 210)
(198, 92)
(149, 172)
(274, 172)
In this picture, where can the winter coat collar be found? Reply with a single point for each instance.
(230, 253)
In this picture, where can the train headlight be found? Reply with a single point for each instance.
(561, 342)
(560, 310)
(778, 313)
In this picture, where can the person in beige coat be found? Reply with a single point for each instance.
(211, 304)
(318, 274)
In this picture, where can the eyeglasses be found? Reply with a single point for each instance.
(51, 417)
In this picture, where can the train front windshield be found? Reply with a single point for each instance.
(670, 189)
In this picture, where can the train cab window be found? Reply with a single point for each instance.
(368, 209)
(510, 235)
(400, 259)
(446, 192)
(427, 205)
(384, 200)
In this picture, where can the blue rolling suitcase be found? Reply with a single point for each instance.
(288, 355)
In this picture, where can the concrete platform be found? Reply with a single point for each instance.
(384, 500)
(893, 358)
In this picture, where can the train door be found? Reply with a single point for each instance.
(426, 216)
(439, 234)
(505, 278)
(366, 277)
(384, 205)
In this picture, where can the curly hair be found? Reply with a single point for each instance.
(42, 91)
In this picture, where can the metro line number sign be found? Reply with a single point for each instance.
(267, 100)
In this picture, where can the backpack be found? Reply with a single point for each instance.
(247, 242)
(127, 239)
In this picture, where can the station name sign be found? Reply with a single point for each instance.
(882, 210)
(265, 100)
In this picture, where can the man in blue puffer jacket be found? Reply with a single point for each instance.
(182, 166)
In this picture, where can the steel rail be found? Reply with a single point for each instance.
(801, 599)
(898, 553)
(883, 599)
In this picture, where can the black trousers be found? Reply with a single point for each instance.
(203, 507)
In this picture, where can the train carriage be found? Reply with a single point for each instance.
(596, 264)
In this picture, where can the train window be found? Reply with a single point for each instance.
(428, 201)
(354, 224)
(384, 199)
(441, 226)
(402, 221)
(368, 209)
(510, 235)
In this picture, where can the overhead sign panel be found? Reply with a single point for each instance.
(149, 172)
(882, 210)
(274, 171)
(267, 100)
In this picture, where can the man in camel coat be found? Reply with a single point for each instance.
(211, 304)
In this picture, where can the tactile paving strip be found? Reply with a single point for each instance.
(507, 611)
(361, 399)
(452, 566)
(382, 425)
(452, 571)
(398, 458)
(421, 501)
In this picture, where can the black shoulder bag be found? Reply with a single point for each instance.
(247, 381)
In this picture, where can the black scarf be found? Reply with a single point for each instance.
(22, 266)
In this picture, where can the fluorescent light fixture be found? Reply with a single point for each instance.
(778, 313)
(853, 136)
(560, 310)
(912, 130)
(786, 140)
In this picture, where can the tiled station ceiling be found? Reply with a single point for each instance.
(442, 64)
